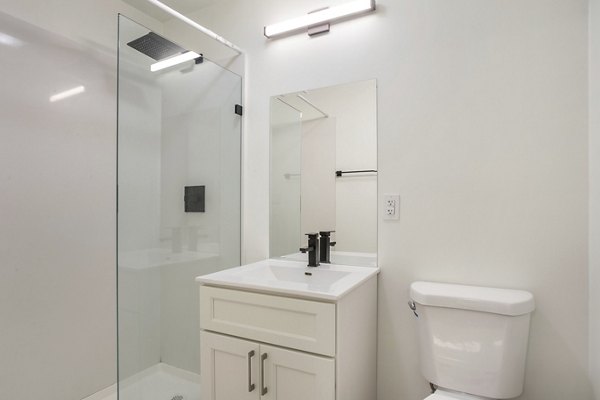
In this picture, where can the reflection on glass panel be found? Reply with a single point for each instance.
(179, 206)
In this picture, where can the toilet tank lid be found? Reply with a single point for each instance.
(474, 298)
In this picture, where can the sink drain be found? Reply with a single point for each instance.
(177, 397)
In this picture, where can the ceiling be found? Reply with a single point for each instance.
(183, 6)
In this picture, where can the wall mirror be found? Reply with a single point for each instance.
(324, 171)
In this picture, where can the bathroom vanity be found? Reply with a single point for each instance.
(279, 330)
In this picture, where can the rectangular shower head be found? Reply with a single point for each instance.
(156, 46)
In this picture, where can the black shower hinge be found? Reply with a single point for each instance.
(199, 60)
(239, 109)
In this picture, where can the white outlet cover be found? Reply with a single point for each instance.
(391, 207)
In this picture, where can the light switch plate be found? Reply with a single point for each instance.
(391, 207)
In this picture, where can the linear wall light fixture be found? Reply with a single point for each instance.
(320, 17)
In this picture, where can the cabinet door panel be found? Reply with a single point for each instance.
(291, 375)
(228, 368)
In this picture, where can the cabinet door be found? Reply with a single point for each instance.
(229, 368)
(291, 375)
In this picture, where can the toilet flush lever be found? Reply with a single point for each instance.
(413, 307)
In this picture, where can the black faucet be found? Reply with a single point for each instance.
(326, 245)
(312, 249)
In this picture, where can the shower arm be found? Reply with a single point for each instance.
(195, 25)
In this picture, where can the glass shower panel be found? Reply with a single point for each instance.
(286, 163)
(179, 146)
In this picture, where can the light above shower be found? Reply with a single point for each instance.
(320, 17)
(67, 93)
(169, 62)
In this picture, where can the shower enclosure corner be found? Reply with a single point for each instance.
(179, 143)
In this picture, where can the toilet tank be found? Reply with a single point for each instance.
(473, 339)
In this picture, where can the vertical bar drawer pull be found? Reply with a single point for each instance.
(250, 384)
(263, 389)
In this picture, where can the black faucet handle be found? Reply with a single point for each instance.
(312, 249)
(332, 243)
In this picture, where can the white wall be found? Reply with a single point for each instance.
(483, 132)
(594, 146)
(57, 207)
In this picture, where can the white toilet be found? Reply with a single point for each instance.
(472, 340)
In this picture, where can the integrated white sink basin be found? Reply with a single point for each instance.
(327, 281)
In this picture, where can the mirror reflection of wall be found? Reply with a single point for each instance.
(315, 133)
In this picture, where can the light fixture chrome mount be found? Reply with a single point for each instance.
(318, 21)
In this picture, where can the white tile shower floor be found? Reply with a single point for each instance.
(159, 382)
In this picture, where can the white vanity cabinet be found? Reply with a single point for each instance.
(269, 346)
